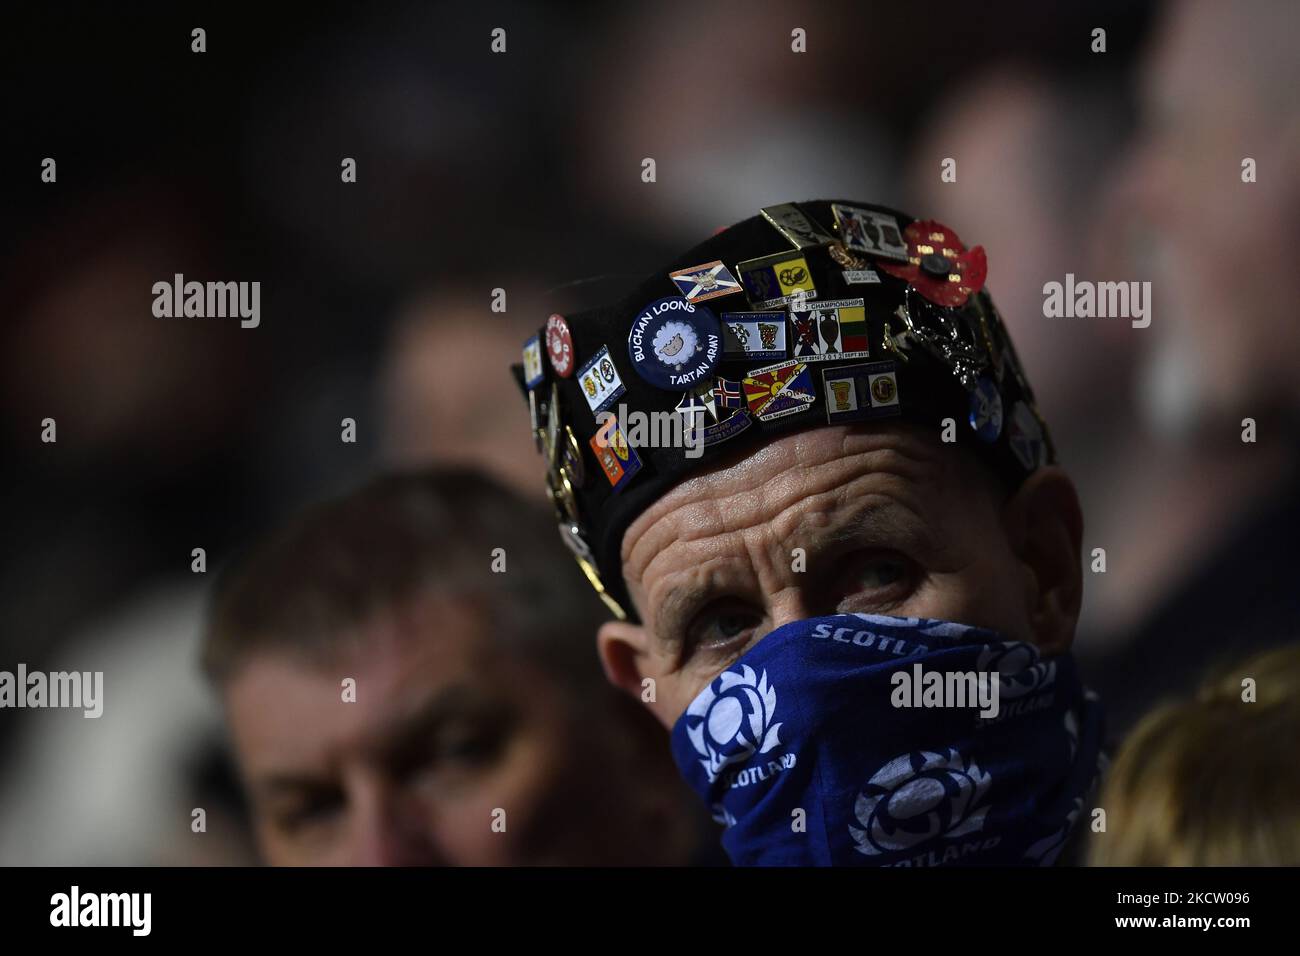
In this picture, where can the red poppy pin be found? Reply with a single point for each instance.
(938, 265)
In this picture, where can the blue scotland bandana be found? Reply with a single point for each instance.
(813, 719)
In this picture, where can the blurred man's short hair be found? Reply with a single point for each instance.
(307, 590)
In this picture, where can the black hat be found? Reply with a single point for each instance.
(809, 314)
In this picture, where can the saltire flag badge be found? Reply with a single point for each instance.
(618, 460)
(772, 280)
(754, 335)
(796, 226)
(857, 393)
(835, 329)
(533, 371)
(875, 233)
(704, 282)
(601, 385)
(779, 390)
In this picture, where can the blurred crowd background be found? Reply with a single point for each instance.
(522, 171)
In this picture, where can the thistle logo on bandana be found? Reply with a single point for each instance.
(1021, 670)
(879, 785)
(732, 720)
(917, 797)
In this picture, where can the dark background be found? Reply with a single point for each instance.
(475, 171)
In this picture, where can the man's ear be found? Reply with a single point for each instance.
(1045, 526)
(624, 650)
(622, 647)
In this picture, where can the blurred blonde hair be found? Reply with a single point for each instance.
(1213, 781)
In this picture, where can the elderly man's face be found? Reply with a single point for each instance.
(882, 520)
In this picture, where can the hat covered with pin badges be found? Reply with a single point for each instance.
(808, 314)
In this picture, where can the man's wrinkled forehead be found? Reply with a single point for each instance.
(765, 487)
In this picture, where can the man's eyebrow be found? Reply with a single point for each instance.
(877, 517)
(679, 603)
(411, 732)
(679, 599)
(280, 783)
(884, 519)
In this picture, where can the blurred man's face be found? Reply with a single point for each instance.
(889, 520)
(445, 732)
(1223, 319)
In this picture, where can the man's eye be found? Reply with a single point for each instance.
(459, 745)
(468, 747)
(876, 582)
(720, 627)
(880, 573)
(311, 811)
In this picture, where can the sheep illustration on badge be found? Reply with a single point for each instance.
(674, 344)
